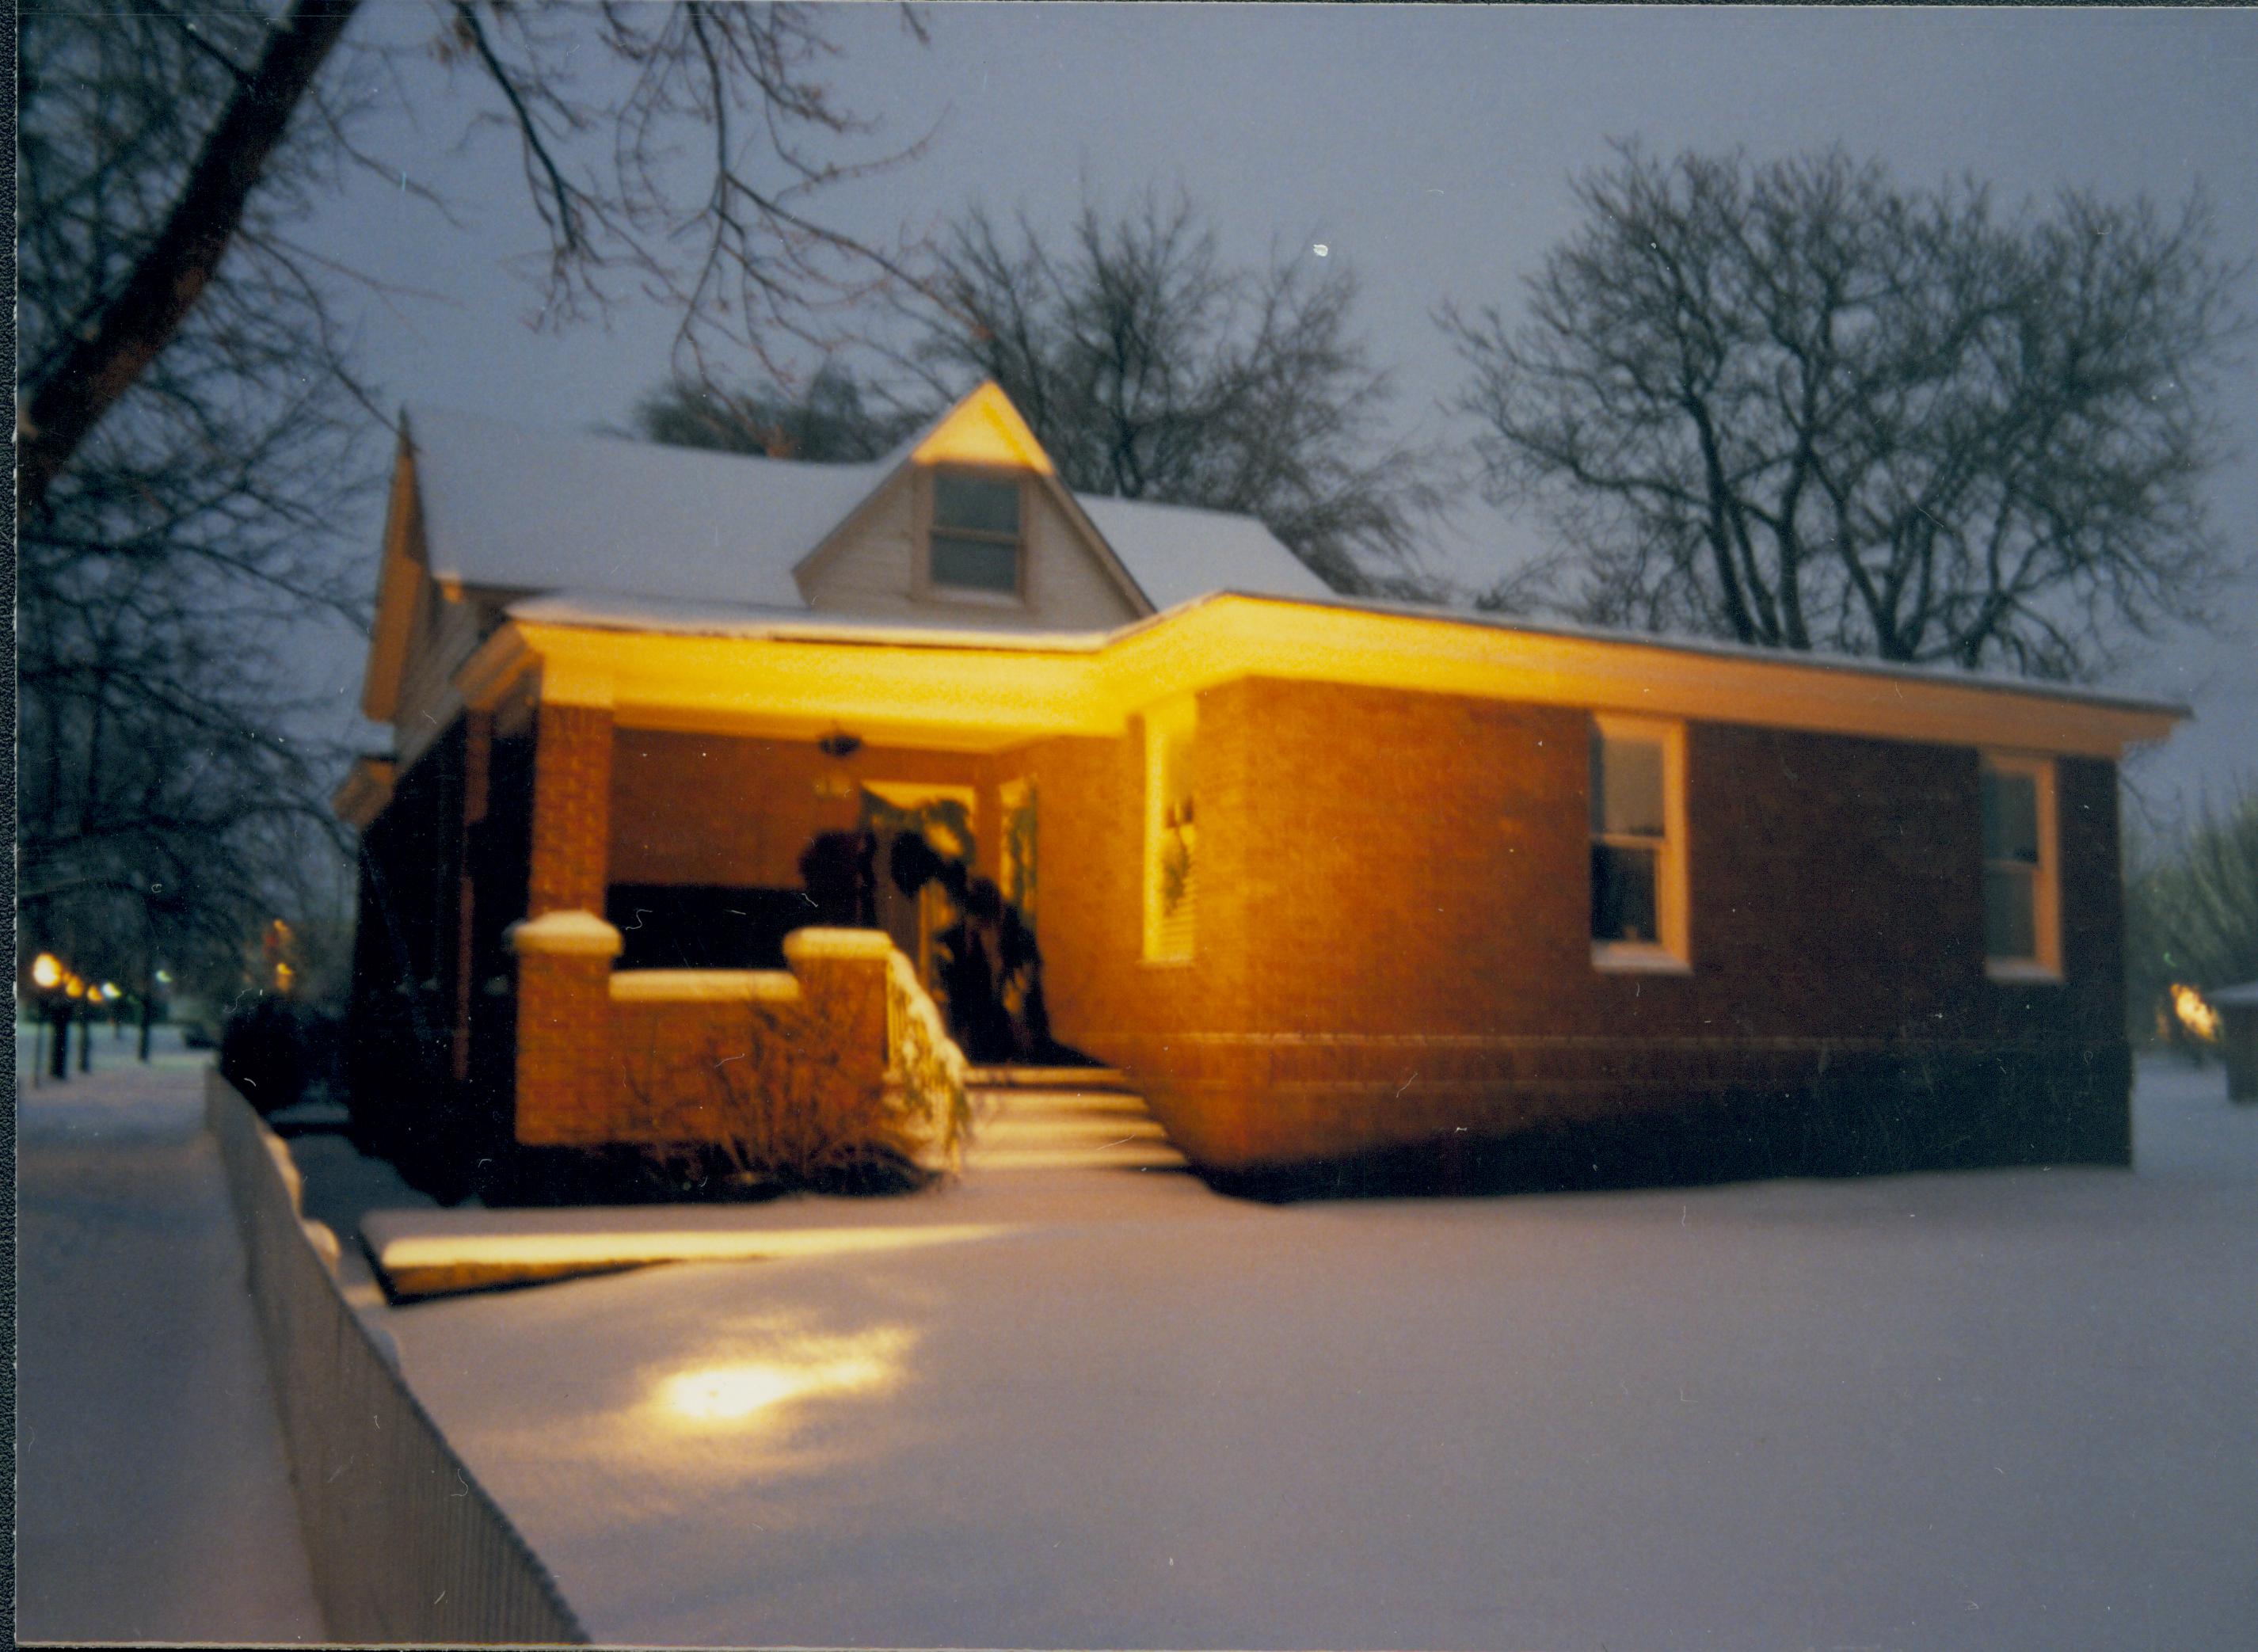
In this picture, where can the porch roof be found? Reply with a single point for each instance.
(793, 674)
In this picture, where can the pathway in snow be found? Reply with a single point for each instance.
(1996, 1410)
(152, 1500)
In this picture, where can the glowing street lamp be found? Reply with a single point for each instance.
(47, 971)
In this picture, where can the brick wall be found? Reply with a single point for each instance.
(706, 809)
(601, 1065)
(572, 810)
(1394, 946)
(695, 1072)
(567, 1081)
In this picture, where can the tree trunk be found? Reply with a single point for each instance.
(103, 362)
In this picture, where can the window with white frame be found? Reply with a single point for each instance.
(974, 544)
(1171, 861)
(1638, 844)
(2022, 925)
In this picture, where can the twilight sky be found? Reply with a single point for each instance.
(1430, 147)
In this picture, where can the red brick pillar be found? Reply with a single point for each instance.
(842, 980)
(572, 810)
(568, 1068)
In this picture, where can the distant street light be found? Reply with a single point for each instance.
(46, 970)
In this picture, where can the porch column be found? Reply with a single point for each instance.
(568, 1069)
(572, 809)
(842, 979)
(568, 1078)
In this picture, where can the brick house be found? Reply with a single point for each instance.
(1327, 879)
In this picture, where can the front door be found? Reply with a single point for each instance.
(924, 864)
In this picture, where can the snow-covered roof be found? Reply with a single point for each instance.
(1175, 553)
(534, 511)
(528, 510)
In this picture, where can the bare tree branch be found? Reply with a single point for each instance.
(109, 354)
(1149, 368)
(1899, 422)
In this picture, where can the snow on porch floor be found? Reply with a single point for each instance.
(1996, 1410)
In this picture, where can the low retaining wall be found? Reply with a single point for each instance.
(406, 1545)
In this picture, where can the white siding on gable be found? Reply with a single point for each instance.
(874, 569)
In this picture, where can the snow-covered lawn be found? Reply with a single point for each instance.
(1997, 1410)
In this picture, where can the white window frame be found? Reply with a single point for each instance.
(1166, 941)
(2046, 883)
(933, 588)
(1671, 954)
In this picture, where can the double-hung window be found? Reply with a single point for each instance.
(974, 544)
(1638, 844)
(2023, 923)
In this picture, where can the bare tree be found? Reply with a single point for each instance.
(730, 243)
(833, 418)
(1149, 368)
(167, 792)
(1801, 405)
(190, 415)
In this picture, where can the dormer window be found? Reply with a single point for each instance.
(974, 544)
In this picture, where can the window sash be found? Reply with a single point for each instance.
(980, 506)
(974, 539)
(1638, 825)
(2022, 894)
(965, 562)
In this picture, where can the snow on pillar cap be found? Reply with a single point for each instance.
(838, 943)
(583, 933)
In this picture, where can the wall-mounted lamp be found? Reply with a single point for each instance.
(839, 743)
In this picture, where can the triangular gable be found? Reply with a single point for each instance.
(399, 592)
(984, 428)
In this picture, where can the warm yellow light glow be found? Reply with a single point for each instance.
(984, 428)
(796, 1368)
(46, 970)
(952, 693)
(2198, 1017)
(74, 987)
(283, 976)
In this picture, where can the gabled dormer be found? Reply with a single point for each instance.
(971, 527)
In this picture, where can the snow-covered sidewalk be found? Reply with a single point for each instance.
(152, 1500)
(1996, 1410)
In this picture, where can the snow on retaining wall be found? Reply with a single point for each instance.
(406, 1545)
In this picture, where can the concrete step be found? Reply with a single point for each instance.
(1031, 1128)
(1149, 1156)
(1010, 1130)
(1052, 1104)
(1047, 1078)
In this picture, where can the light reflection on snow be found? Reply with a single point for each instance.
(793, 1367)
